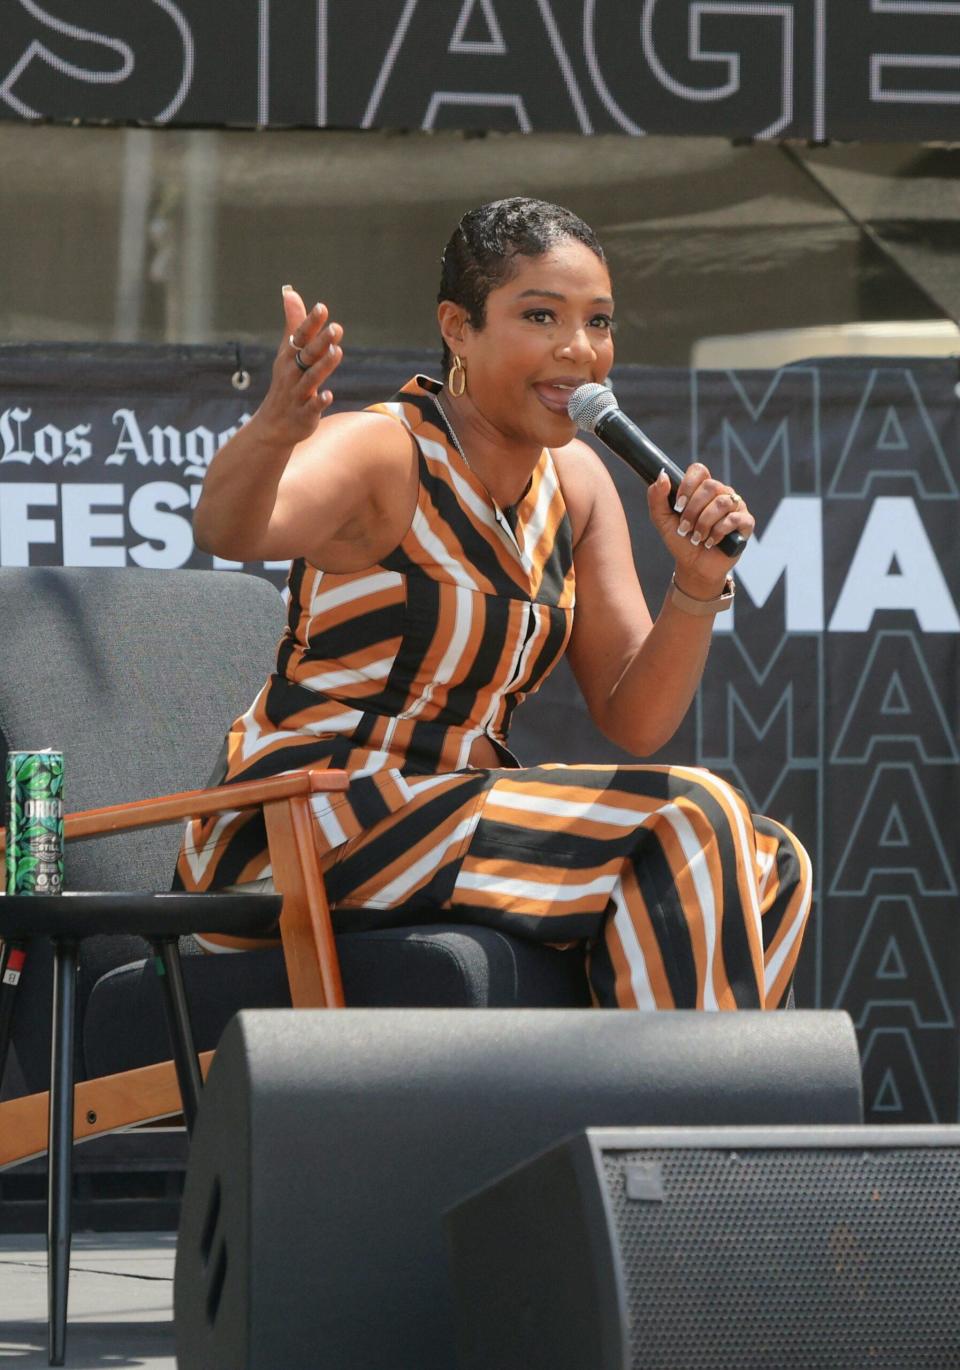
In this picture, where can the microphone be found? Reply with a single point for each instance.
(594, 408)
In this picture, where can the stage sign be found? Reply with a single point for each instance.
(846, 69)
(831, 694)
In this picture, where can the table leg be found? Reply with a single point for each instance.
(60, 1153)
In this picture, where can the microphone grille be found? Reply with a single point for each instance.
(588, 403)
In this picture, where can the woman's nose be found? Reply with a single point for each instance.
(577, 345)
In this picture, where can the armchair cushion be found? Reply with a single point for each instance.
(423, 967)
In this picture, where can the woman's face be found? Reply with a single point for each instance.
(547, 330)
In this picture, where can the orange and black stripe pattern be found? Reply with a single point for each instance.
(683, 897)
(397, 670)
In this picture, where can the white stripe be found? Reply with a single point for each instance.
(389, 731)
(215, 947)
(709, 780)
(338, 723)
(533, 531)
(432, 545)
(327, 820)
(397, 410)
(523, 666)
(463, 620)
(466, 746)
(438, 454)
(536, 890)
(480, 507)
(254, 741)
(420, 784)
(335, 680)
(786, 947)
(354, 589)
(766, 861)
(513, 675)
(699, 870)
(639, 979)
(569, 808)
(199, 858)
(399, 888)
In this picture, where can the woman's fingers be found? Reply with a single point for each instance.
(724, 512)
(294, 310)
(322, 353)
(308, 354)
(707, 509)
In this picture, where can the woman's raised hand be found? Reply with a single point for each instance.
(308, 355)
(704, 511)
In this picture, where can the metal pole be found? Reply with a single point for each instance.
(60, 1147)
(167, 963)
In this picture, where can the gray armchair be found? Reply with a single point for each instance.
(134, 675)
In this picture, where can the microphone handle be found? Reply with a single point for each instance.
(632, 445)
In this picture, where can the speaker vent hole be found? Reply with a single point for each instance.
(210, 1223)
(215, 1290)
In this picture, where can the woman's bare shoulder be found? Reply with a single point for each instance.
(584, 480)
(357, 442)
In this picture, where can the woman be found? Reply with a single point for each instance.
(438, 543)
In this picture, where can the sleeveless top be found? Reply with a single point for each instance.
(395, 671)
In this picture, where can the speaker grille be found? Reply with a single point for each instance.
(790, 1257)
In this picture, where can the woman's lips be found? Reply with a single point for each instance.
(555, 396)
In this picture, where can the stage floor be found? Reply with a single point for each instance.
(121, 1301)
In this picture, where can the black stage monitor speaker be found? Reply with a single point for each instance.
(329, 1144)
(716, 1249)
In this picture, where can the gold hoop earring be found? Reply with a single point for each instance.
(457, 377)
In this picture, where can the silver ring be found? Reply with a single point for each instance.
(291, 342)
(304, 366)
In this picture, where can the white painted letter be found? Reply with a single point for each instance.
(792, 546)
(894, 530)
(81, 525)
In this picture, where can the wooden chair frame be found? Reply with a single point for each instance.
(149, 1093)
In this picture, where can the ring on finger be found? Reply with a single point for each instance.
(298, 358)
(737, 501)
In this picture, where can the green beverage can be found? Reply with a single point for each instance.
(35, 822)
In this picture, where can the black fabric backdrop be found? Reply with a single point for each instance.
(849, 69)
(832, 701)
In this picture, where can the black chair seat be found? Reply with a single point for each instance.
(417, 967)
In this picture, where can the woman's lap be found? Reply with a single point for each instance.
(692, 900)
(684, 898)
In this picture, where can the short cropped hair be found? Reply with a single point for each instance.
(483, 248)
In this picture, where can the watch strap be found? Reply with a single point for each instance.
(703, 607)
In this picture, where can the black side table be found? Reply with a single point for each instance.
(67, 919)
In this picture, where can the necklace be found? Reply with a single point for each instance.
(507, 508)
(453, 432)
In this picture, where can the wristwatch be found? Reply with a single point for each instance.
(689, 605)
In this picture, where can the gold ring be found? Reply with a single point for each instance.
(737, 501)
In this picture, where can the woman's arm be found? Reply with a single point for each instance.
(289, 485)
(638, 675)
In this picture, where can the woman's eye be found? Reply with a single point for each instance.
(539, 315)
(603, 321)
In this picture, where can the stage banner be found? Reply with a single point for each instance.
(846, 69)
(832, 692)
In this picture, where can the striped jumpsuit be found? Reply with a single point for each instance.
(681, 896)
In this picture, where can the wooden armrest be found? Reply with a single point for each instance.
(152, 813)
(305, 928)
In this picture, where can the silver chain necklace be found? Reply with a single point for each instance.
(466, 461)
(453, 432)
